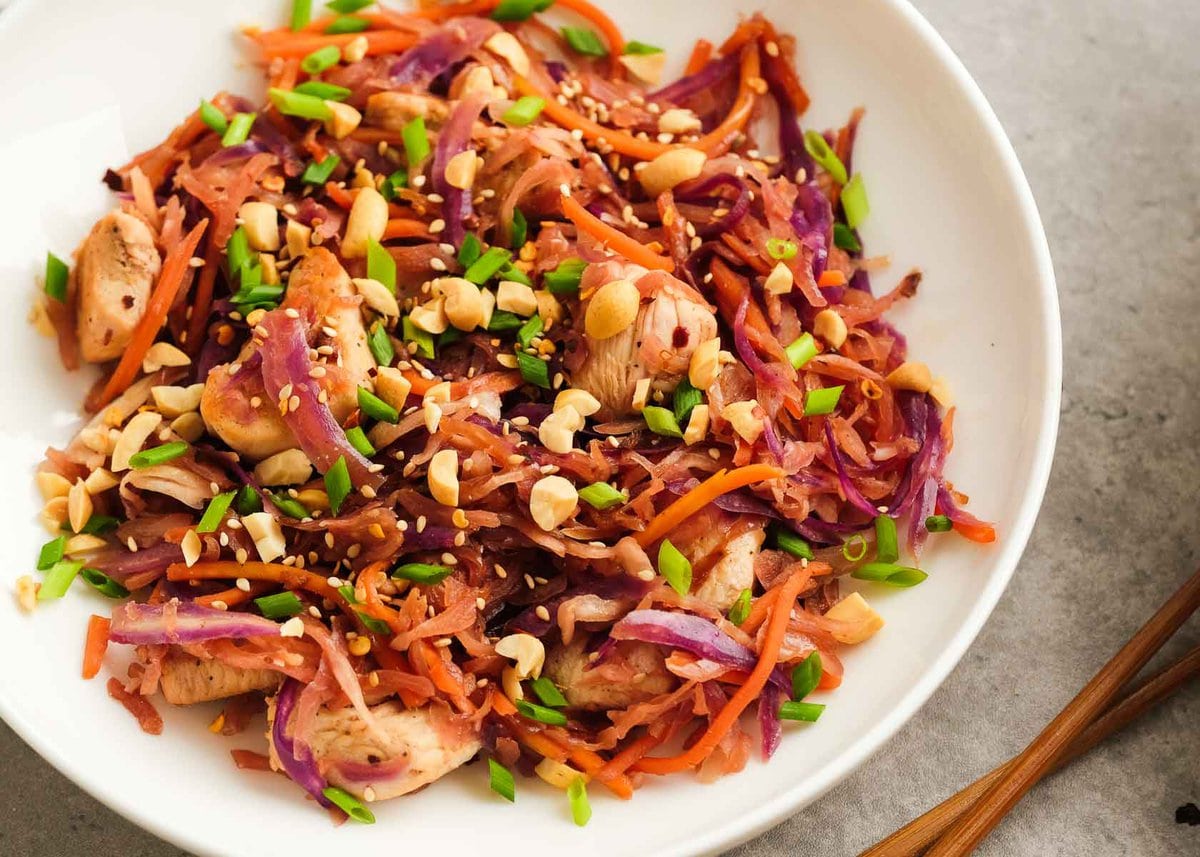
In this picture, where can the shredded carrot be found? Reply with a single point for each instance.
(156, 162)
(976, 532)
(721, 482)
(747, 31)
(170, 278)
(341, 197)
(501, 704)
(701, 54)
(627, 758)
(383, 20)
(730, 289)
(233, 596)
(289, 70)
(286, 575)
(95, 645)
(616, 240)
(248, 760)
(759, 609)
(830, 277)
(402, 227)
(425, 655)
(303, 44)
(605, 24)
(443, 11)
(587, 761)
(747, 693)
(137, 705)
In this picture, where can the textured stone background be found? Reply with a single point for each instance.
(1101, 100)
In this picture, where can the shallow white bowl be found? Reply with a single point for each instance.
(99, 80)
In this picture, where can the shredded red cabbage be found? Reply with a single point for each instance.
(455, 137)
(295, 756)
(184, 622)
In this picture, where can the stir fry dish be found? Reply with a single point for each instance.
(476, 396)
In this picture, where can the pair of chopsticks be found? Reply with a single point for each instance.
(958, 824)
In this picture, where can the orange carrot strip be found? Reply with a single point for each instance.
(303, 44)
(501, 704)
(95, 645)
(341, 197)
(830, 277)
(248, 760)
(982, 533)
(444, 11)
(721, 482)
(605, 24)
(170, 278)
(759, 609)
(746, 32)
(628, 757)
(701, 54)
(402, 227)
(287, 575)
(233, 596)
(441, 677)
(616, 240)
(721, 724)
(137, 705)
(587, 761)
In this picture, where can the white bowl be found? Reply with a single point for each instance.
(99, 80)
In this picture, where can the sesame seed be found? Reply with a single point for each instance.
(542, 613)
(242, 584)
(449, 559)
(646, 574)
(435, 197)
(437, 264)
(421, 522)
(292, 312)
(529, 581)
(241, 556)
(437, 226)
(443, 643)
(219, 605)
(368, 492)
(480, 603)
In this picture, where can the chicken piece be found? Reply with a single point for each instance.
(393, 110)
(671, 321)
(425, 744)
(118, 264)
(320, 289)
(187, 680)
(733, 572)
(630, 672)
(722, 548)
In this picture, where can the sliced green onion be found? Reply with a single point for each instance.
(322, 90)
(844, 237)
(530, 330)
(238, 130)
(906, 577)
(854, 201)
(301, 14)
(409, 332)
(818, 147)
(889, 572)
(58, 579)
(564, 280)
(661, 421)
(215, 512)
(381, 345)
(548, 692)
(822, 400)
(534, 370)
(503, 320)
(781, 249)
(581, 810)
(380, 265)
(257, 294)
(808, 712)
(509, 271)
(376, 408)
(56, 277)
(802, 350)
(358, 440)
(601, 495)
(347, 592)
(247, 501)
(641, 48)
(519, 10)
(524, 111)
(347, 802)
(740, 610)
(98, 525)
(212, 116)
(449, 336)
(321, 59)
(389, 186)
(319, 172)
(292, 103)
(541, 713)
(887, 545)
(51, 552)
(470, 250)
(281, 605)
(347, 7)
(501, 780)
(422, 572)
(346, 24)
(237, 250)
(792, 543)
(685, 399)
(674, 567)
(102, 583)
(290, 506)
(158, 455)
(337, 484)
(584, 41)
(486, 266)
(854, 548)
(416, 143)
(806, 676)
(938, 524)
(375, 626)
(520, 229)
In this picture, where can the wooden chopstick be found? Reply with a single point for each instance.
(914, 837)
(1036, 760)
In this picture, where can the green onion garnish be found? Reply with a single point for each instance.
(347, 592)
(416, 143)
(52, 552)
(818, 147)
(854, 548)
(581, 810)
(503, 320)
(674, 567)
(548, 692)
(256, 294)
(541, 713)
(215, 512)
(281, 605)
(661, 421)
(324, 91)
(301, 14)
(347, 7)
(375, 626)
(321, 59)
(393, 182)
(102, 583)
(844, 237)
(381, 345)
(380, 265)
(346, 24)
(740, 610)
(422, 572)
(640, 48)
(449, 336)
(938, 524)
(887, 545)
(237, 250)
(802, 350)
(889, 573)
(98, 525)
(319, 172)
(854, 201)
(500, 779)
(806, 676)
(584, 41)
(530, 330)
(808, 712)
(780, 249)
(520, 229)
(56, 277)
(564, 280)
(686, 397)
(247, 501)
(822, 401)
(358, 440)
(212, 116)
(534, 370)
(409, 332)
(524, 111)
(58, 579)
(290, 506)
(337, 484)
(158, 455)
(470, 250)
(519, 10)
(292, 103)
(341, 798)
(509, 271)
(601, 495)
(486, 266)
(792, 543)
(376, 408)
(238, 130)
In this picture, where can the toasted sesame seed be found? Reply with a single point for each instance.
(542, 613)
(421, 522)
(529, 581)
(367, 491)
(646, 574)
(242, 584)
(480, 603)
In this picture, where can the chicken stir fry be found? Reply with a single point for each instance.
(118, 264)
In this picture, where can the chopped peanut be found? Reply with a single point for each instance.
(551, 501)
(612, 309)
(831, 327)
(443, 477)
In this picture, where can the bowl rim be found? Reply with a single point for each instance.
(789, 800)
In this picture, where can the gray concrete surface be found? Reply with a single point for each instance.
(1100, 98)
